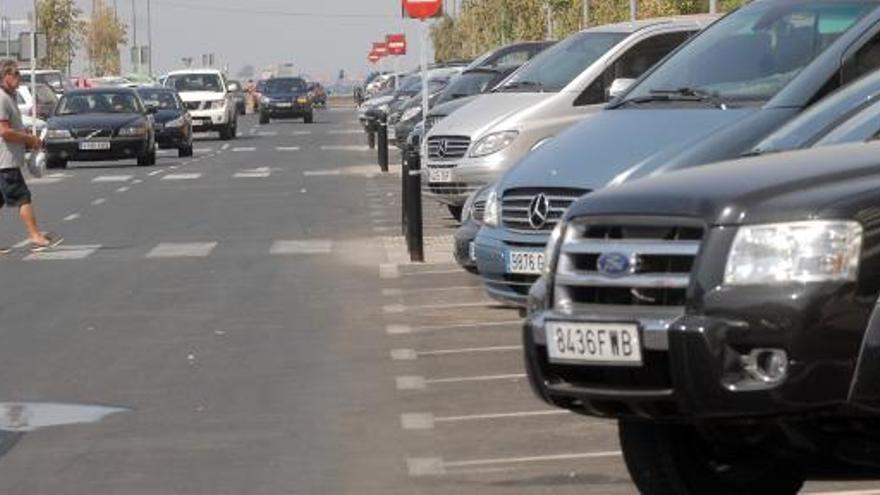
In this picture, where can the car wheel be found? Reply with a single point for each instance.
(226, 133)
(455, 211)
(309, 118)
(676, 458)
(264, 118)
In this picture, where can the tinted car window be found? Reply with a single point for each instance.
(286, 86)
(195, 82)
(468, 84)
(555, 67)
(754, 52)
(77, 104)
(863, 126)
(164, 100)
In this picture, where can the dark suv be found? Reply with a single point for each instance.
(727, 315)
(286, 98)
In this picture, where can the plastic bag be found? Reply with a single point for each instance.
(36, 164)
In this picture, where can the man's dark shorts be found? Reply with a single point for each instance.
(13, 190)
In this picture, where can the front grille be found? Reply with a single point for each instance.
(91, 133)
(518, 207)
(192, 105)
(448, 147)
(479, 210)
(627, 263)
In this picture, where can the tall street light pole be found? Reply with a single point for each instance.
(134, 27)
(150, 37)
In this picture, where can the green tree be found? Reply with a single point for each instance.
(104, 34)
(61, 21)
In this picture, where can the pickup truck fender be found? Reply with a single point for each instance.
(864, 392)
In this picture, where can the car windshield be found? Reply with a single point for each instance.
(555, 67)
(753, 53)
(77, 104)
(286, 86)
(195, 82)
(469, 83)
(161, 99)
(411, 82)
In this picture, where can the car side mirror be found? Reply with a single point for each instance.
(618, 88)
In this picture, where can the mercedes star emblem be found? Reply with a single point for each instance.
(539, 211)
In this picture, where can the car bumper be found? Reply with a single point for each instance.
(692, 364)
(120, 148)
(493, 247)
(295, 111)
(172, 138)
(464, 247)
(466, 176)
(209, 120)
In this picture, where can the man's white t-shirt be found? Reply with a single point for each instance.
(11, 154)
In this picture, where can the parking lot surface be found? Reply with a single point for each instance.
(246, 321)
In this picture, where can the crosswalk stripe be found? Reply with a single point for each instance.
(256, 173)
(181, 176)
(301, 133)
(345, 148)
(64, 253)
(321, 173)
(112, 178)
(287, 148)
(243, 149)
(301, 247)
(182, 250)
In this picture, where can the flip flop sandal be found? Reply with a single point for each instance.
(53, 242)
(5, 250)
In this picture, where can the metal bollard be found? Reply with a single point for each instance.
(415, 240)
(382, 143)
(404, 173)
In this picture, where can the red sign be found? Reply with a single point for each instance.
(422, 9)
(373, 58)
(396, 44)
(380, 49)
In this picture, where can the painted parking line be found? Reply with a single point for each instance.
(321, 173)
(427, 421)
(871, 491)
(415, 382)
(435, 466)
(301, 247)
(412, 354)
(244, 149)
(182, 250)
(112, 178)
(421, 290)
(407, 329)
(433, 272)
(403, 308)
(388, 271)
(62, 253)
(287, 148)
(182, 176)
(336, 147)
(254, 173)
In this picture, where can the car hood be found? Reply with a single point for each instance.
(482, 113)
(447, 108)
(201, 95)
(163, 116)
(800, 185)
(94, 120)
(604, 144)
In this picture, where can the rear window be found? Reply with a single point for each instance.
(163, 100)
(285, 86)
(195, 82)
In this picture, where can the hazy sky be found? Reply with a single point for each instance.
(320, 37)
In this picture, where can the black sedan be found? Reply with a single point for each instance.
(100, 124)
(171, 121)
(286, 98)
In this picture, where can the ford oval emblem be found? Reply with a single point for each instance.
(614, 264)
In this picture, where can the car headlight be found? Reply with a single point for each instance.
(411, 113)
(492, 216)
(58, 134)
(552, 249)
(265, 100)
(218, 104)
(133, 131)
(784, 253)
(493, 143)
(302, 99)
(178, 122)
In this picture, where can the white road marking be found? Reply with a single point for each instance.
(204, 150)
(470, 350)
(429, 328)
(301, 133)
(243, 149)
(267, 133)
(112, 178)
(122, 189)
(226, 146)
(400, 308)
(410, 383)
(388, 271)
(403, 354)
(425, 466)
(541, 458)
(393, 308)
(347, 131)
(301, 247)
(417, 421)
(847, 492)
(71, 217)
(64, 253)
(181, 176)
(137, 181)
(287, 148)
(427, 421)
(22, 244)
(398, 329)
(99, 201)
(345, 148)
(400, 292)
(433, 272)
(155, 172)
(255, 173)
(414, 382)
(182, 250)
(165, 152)
(321, 173)
(33, 181)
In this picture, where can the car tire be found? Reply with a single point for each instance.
(309, 118)
(455, 211)
(264, 118)
(56, 163)
(679, 458)
(227, 133)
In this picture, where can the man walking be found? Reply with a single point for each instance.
(14, 140)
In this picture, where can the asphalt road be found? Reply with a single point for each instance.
(244, 322)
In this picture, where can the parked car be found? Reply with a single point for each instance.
(100, 124)
(512, 54)
(238, 96)
(50, 77)
(286, 98)
(208, 99)
(171, 122)
(482, 140)
(45, 100)
(730, 86)
(726, 316)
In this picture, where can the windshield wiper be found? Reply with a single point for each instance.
(680, 94)
(523, 84)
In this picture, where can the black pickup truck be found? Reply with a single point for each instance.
(727, 316)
